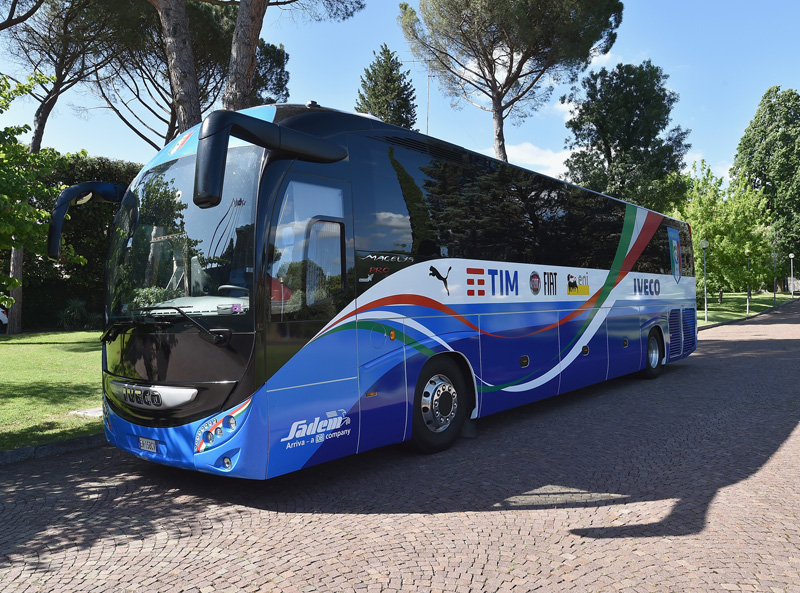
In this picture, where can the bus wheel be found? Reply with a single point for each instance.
(655, 354)
(440, 406)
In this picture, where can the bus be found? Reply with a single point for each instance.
(290, 284)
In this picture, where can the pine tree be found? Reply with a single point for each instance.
(386, 91)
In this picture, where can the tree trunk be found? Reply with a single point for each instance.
(243, 54)
(40, 118)
(499, 137)
(15, 312)
(180, 60)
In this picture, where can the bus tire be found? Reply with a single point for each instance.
(654, 354)
(441, 400)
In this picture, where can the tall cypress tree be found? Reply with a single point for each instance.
(386, 91)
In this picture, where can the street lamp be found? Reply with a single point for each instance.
(747, 253)
(704, 244)
(791, 274)
(774, 277)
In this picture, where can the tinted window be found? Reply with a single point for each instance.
(420, 197)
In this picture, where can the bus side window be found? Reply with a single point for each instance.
(324, 272)
(308, 261)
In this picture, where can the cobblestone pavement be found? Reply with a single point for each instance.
(687, 483)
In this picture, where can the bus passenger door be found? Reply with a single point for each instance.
(312, 389)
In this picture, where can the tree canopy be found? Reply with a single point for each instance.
(22, 175)
(768, 160)
(619, 122)
(386, 91)
(732, 220)
(504, 57)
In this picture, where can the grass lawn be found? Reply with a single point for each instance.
(734, 305)
(43, 376)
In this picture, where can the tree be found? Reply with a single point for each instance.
(732, 220)
(244, 47)
(620, 130)
(67, 40)
(18, 12)
(270, 79)
(136, 85)
(386, 91)
(768, 160)
(238, 87)
(504, 57)
(180, 59)
(22, 176)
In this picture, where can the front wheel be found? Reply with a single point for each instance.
(655, 354)
(441, 400)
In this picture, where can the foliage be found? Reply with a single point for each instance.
(270, 80)
(768, 160)
(386, 91)
(87, 232)
(504, 57)
(22, 177)
(620, 124)
(136, 84)
(153, 295)
(732, 221)
(75, 316)
(69, 41)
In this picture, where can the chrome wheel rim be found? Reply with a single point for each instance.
(439, 403)
(653, 352)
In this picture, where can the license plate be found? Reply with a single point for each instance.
(148, 445)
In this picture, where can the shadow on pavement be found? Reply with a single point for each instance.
(709, 421)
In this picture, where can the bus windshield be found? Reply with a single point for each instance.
(167, 257)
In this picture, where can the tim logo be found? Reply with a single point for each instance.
(481, 281)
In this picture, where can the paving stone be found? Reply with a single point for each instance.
(683, 484)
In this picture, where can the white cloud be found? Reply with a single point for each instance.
(541, 160)
(607, 61)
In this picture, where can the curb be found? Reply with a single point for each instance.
(51, 449)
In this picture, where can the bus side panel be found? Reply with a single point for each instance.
(382, 382)
(317, 420)
(584, 350)
(623, 327)
(518, 349)
(431, 336)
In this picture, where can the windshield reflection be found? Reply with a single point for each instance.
(166, 252)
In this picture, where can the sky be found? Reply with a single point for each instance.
(720, 56)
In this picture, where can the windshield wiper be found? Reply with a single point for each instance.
(118, 327)
(216, 336)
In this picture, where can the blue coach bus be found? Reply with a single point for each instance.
(291, 284)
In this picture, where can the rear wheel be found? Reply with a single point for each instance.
(655, 354)
(441, 400)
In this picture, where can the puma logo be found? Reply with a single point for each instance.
(435, 273)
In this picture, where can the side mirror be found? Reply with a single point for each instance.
(212, 149)
(78, 194)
